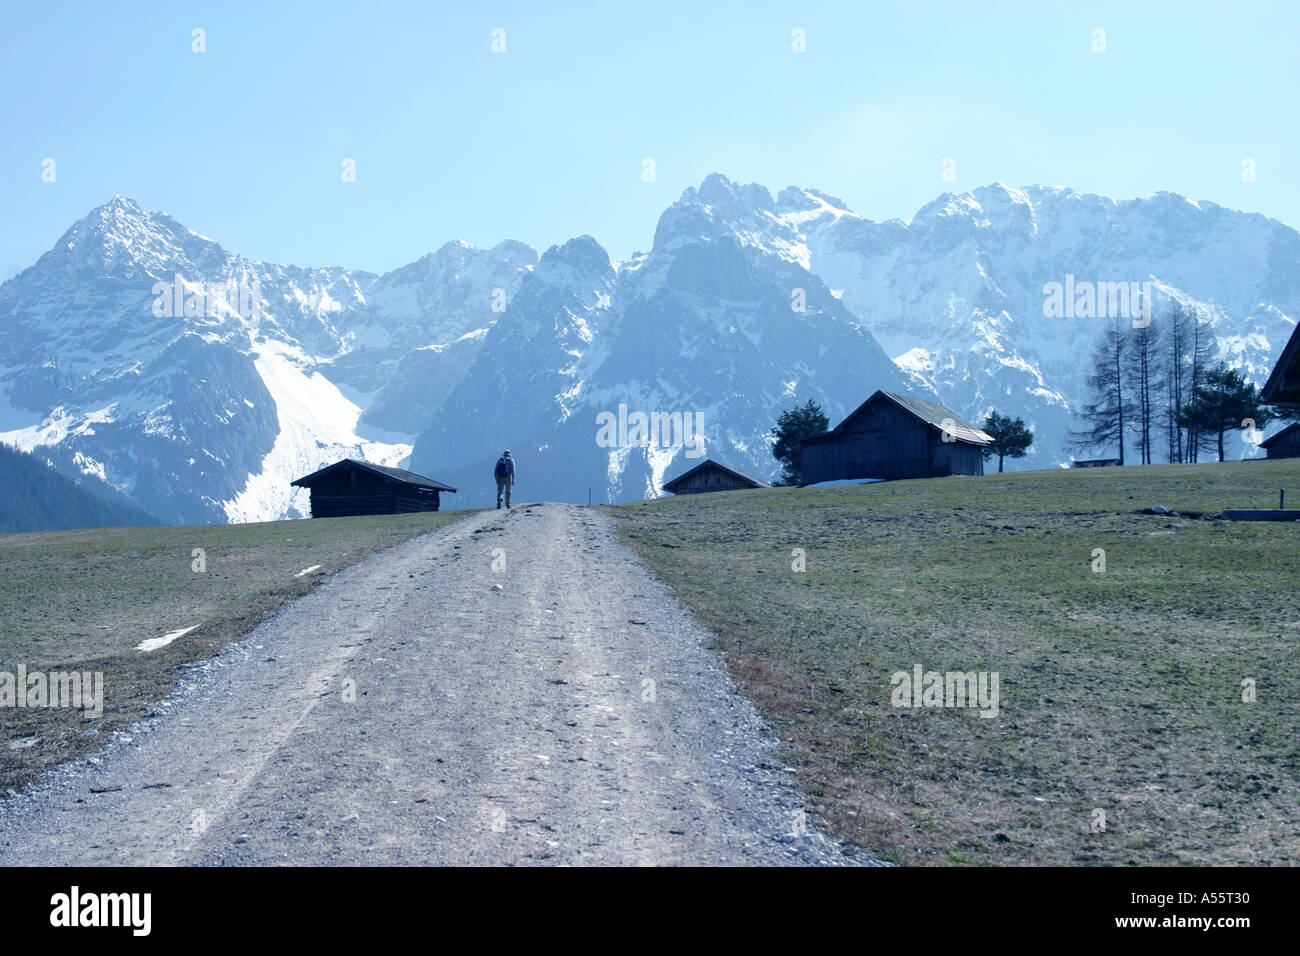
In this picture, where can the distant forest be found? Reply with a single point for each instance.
(35, 497)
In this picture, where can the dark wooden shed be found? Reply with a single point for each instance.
(1283, 386)
(353, 487)
(709, 475)
(1285, 444)
(895, 436)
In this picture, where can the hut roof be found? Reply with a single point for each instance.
(931, 413)
(710, 463)
(392, 474)
(1283, 386)
(1271, 439)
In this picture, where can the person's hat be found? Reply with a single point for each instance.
(507, 451)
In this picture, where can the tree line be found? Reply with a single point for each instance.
(1161, 388)
(35, 497)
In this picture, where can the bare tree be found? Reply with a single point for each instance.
(1201, 362)
(1104, 414)
(1141, 369)
(1177, 369)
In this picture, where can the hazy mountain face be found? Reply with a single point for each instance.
(957, 294)
(197, 383)
(708, 334)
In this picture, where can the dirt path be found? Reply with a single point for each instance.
(422, 708)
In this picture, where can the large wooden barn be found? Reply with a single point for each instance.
(709, 475)
(1283, 386)
(1285, 444)
(353, 487)
(895, 436)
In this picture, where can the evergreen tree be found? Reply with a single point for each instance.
(1224, 401)
(36, 497)
(1011, 439)
(802, 421)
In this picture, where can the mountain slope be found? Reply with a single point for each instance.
(701, 329)
(36, 497)
(198, 383)
(957, 294)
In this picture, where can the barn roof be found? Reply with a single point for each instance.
(931, 413)
(1271, 439)
(710, 463)
(1283, 386)
(392, 474)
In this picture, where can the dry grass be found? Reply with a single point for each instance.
(83, 600)
(1120, 691)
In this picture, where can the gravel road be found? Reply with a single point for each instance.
(424, 708)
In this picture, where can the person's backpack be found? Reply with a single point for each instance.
(505, 467)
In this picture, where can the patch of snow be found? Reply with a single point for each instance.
(317, 426)
(56, 427)
(153, 643)
(88, 466)
(659, 459)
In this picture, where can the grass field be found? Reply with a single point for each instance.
(83, 600)
(1122, 735)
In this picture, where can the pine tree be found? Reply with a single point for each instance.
(1225, 400)
(1011, 439)
(798, 423)
(36, 497)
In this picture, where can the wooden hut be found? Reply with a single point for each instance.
(1285, 444)
(353, 487)
(896, 436)
(709, 475)
(1283, 386)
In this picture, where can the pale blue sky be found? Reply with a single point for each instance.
(545, 141)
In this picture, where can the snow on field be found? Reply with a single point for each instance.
(317, 427)
(153, 643)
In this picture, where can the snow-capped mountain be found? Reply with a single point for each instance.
(141, 355)
(703, 329)
(956, 295)
(198, 383)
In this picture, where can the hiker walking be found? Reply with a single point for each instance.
(505, 476)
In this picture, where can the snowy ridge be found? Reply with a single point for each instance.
(744, 306)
